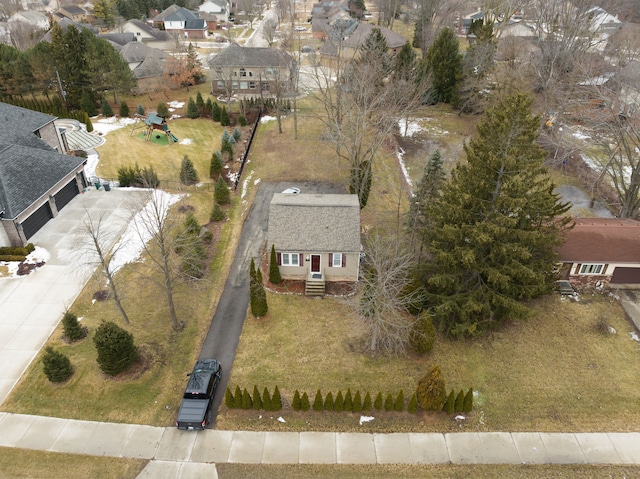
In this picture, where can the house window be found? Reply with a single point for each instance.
(337, 260)
(252, 85)
(243, 85)
(591, 269)
(265, 86)
(234, 85)
(220, 84)
(250, 74)
(243, 72)
(290, 259)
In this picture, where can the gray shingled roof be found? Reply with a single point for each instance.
(175, 13)
(238, 56)
(138, 52)
(314, 223)
(154, 32)
(28, 173)
(73, 10)
(364, 29)
(19, 125)
(119, 38)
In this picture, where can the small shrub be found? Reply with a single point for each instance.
(224, 117)
(162, 110)
(431, 392)
(242, 121)
(192, 109)
(228, 398)
(236, 135)
(398, 405)
(348, 401)
(459, 404)
(449, 404)
(276, 400)
(468, 401)
(304, 402)
(215, 111)
(296, 401)
(217, 213)
(366, 404)
(388, 403)
(140, 109)
(338, 404)
(257, 400)
(71, 327)
(357, 402)
(377, 404)
(116, 350)
(412, 407)
(266, 400)
(221, 194)
(274, 270)
(237, 398)
(57, 367)
(106, 108)
(317, 402)
(328, 402)
(215, 165)
(207, 237)
(247, 403)
(30, 248)
(423, 334)
(124, 109)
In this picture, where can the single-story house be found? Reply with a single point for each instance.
(316, 238)
(36, 178)
(215, 12)
(182, 21)
(73, 12)
(148, 35)
(350, 36)
(604, 251)
(252, 71)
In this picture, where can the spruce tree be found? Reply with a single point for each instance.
(188, 173)
(257, 400)
(423, 334)
(449, 404)
(107, 111)
(208, 107)
(124, 109)
(495, 227)
(304, 402)
(458, 405)
(221, 192)
(468, 401)
(366, 404)
(328, 402)
(412, 407)
(237, 398)
(215, 112)
(215, 166)
(398, 405)
(427, 190)
(276, 400)
(357, 402)
(71, 327)
(295, 404)
(431, 390)
(57, 367)
(228, 398)
(267, 403)
(348, 401)
(377, 404)
(258, 297)
(443, 63)
(338, 404)
(388, 403)
(247, 403)
(116, 349)
(236, 135)
(192, 109)
(162, 110)
(274, 269)
(140, 109)
(199, 101)
(224, 117)
(217, 214)
(317, 402)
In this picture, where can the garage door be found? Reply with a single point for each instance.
(66, 194)
(37, 220)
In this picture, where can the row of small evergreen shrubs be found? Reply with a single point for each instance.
(460, 402)
(353, 403)
(242, 399)
(108, 112)
(52, 107)
(19, 253)
(136, 176)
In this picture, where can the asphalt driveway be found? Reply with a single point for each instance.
(224, 333)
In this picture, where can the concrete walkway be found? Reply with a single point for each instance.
(172, 452)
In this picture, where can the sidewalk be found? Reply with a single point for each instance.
(170, 448)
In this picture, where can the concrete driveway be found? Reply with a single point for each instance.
(31, 306)
(224, 333)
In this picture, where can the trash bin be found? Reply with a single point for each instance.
(107, 186)
(97, 183)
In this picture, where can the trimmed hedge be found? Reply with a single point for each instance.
(12, 257)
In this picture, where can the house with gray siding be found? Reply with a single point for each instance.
(37, 179)
(316, 238)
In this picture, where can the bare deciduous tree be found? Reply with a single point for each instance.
(383, 303)
(24, 35)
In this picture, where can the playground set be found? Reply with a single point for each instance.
(153, 123)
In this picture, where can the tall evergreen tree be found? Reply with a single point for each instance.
(495, 226)
(192, 109)
(221, 193)
(188, 172)
(215, 166)
(405, 62)
(443, 63)
(274, 269)
(107, 111)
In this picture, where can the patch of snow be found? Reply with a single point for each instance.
(364, 419)
(281, 419)
(257, 181)
(132, 242)
(267, 118)
(459, 417)
(409, 129)
(580, 136)
(634, 336)
(400, 154)
(244, 185)
(92, 164)
(38, 255)
(186, 141)
(233, 177)
(106, 125)
(590, 162)
(175, 117)
(175, 104)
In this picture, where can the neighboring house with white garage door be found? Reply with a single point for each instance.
(36, 178)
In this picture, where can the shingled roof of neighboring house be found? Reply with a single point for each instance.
(176, 13)
(73, 10)
(160, 35)
(315, 223)
(139, 52)
(238, 56)
(20, 124)
(602, 240)
(118, 38)
(28, 173)
(364, 29)
(66, 23)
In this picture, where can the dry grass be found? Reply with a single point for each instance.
(554, 372)
(427, 471)
(22, 463)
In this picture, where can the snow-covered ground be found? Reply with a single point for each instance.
(39, 255)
